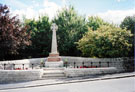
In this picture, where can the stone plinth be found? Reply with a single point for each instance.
(54, 64)
(53, 54)
(54, 57)
(54, 60)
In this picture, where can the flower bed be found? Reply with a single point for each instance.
(20, 69)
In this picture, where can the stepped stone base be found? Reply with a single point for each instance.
(54, 57)
(54, 61)
(53, 54)
(54, 64)
(53, 73)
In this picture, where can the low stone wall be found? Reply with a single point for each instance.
(115, 65)
(19, 63)
(76, 72)
(9, 76)
(122, 64)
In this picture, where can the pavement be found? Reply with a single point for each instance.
(126, 84)
(54, 82)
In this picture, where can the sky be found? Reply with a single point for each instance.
(113, 11)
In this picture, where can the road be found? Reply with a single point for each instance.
(112, 85)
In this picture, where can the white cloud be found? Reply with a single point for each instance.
(35, 4)
(64, 2)
(16, 4)
(118, 0)
(115, 16)
(49, 8)
(28, 13)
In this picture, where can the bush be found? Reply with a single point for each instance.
(106, 41)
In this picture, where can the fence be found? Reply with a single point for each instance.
(20, 66)
(87, 64)
(66, 64)
(122, 64)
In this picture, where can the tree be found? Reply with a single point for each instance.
(129, 24)
(40, 37)
(106, 41)
(13, 36)
(95, 22)
(71, 28)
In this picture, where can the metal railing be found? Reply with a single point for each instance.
(87, 64)
(20, 66)
(66, 64)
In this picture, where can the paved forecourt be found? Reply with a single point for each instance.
(45, 84)
(112, 85)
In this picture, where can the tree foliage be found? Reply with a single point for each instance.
(40, 37)
(128, 23)
(71, 28)
(13, 36)
(95, 22)
(94, 38)
(106, 41)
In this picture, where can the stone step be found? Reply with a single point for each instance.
(46, 78)
(53, 75)
(53, 72)
(53, 68)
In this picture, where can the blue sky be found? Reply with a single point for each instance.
(113, 11)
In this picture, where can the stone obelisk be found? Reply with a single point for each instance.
(54, 60)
